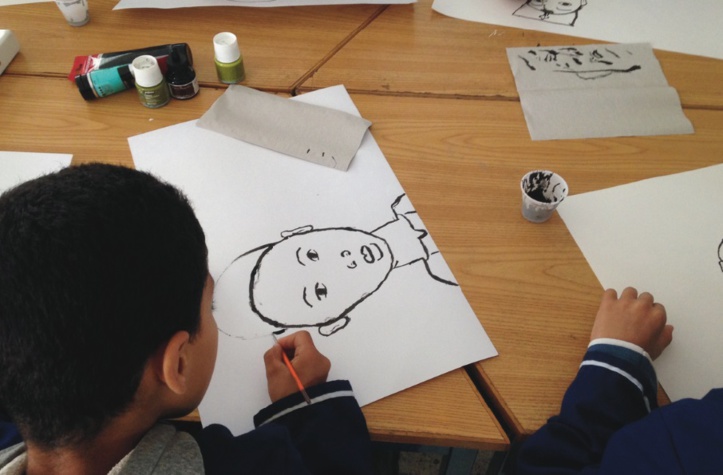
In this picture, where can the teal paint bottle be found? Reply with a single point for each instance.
(104, 82)
(228, 59)
(151, 85)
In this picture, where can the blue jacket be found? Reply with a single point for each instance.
(8, 434)
(328, 436)
(609, 423)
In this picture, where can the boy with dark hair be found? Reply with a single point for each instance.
(609, 422)
(106, 328)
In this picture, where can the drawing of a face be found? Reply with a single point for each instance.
(318, 276)
(563, 12)
(594, 64)
(562, 7)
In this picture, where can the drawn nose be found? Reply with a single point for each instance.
(348, 259)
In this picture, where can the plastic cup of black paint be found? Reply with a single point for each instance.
(542, 192)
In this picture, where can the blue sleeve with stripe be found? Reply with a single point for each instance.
(329, 436)
(614, 387)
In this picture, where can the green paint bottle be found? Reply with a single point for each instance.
(229, 62)
(150, 83)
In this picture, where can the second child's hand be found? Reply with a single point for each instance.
(633, 318)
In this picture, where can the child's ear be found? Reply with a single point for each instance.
(299, 230)
(174, 366)
(334, 326)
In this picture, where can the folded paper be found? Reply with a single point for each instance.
(574, 92)
(313, 133)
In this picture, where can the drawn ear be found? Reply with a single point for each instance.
(333, 327)
(299, 230)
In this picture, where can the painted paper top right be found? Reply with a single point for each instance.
(663, 23)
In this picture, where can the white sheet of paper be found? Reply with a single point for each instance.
(4, 3)
(694, 29)
(574, 92)
(17, 167)
(413, 328)
(123, 4)
(663, 235)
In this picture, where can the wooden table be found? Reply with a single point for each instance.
(460, 162)
(280, 46)
(41, 111)
(413, 50)
(446, 113)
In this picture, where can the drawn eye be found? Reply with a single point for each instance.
(312, 255)
(320, 291)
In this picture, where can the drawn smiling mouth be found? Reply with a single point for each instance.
(371, 253)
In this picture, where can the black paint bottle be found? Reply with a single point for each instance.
(181, 77)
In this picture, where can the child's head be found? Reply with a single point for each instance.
(99, 266)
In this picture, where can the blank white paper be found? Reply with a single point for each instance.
(663, 235)
(18, 167)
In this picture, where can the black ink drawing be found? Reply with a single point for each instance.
(314, 278)
(720, 255)
(595, 64)
(561, 12)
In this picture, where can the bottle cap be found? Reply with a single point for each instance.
(225, 47)
(126, 76)
(178, 59)
(185, 49)
(86, 90)
(146, 71)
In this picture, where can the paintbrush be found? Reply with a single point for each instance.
(287, 362)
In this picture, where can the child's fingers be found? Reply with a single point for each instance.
(311, 366)
(296, 342)
(629, 293)
(610, 294)
(299, 346)
(273, 360)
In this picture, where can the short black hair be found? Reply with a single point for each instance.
(99, 266)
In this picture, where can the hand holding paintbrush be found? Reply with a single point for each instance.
(294, 364)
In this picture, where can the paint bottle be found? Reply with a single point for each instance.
(181, 77)
(150, 83)
(75, 11)
(229, 62)
(104, 82)
(88, 63)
